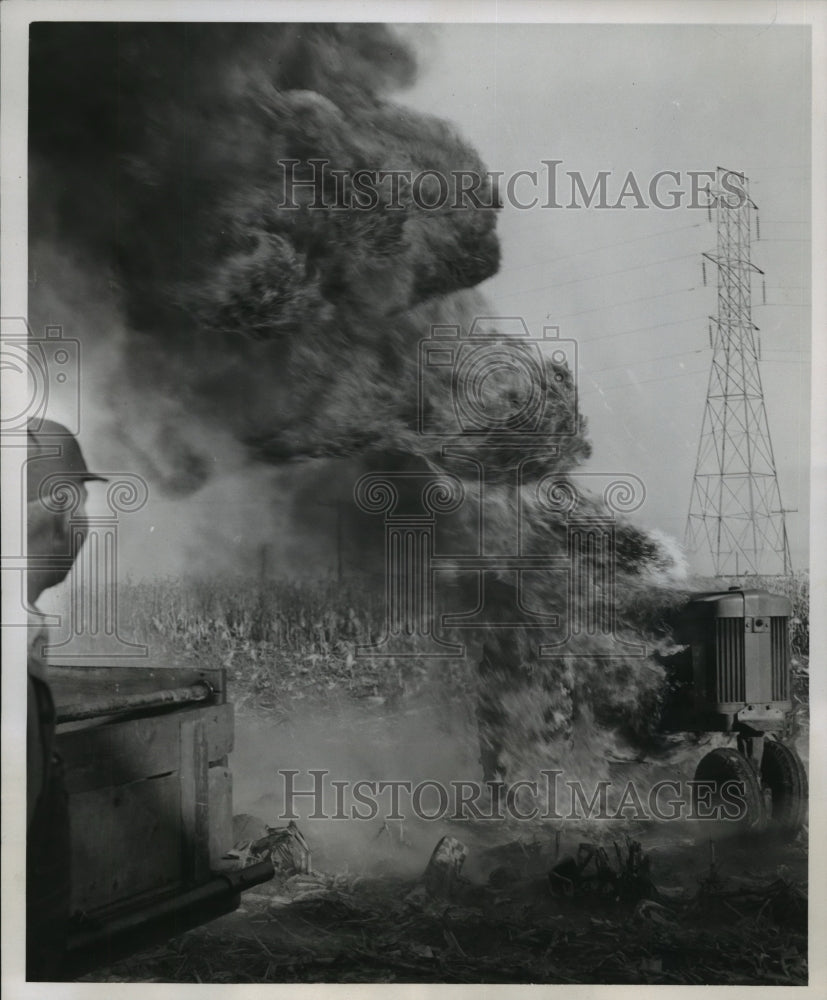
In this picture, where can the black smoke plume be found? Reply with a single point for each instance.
(156, 154)
(156, 167)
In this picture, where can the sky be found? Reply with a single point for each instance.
(628, 284)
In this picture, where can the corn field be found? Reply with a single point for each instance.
(283, 642)
(280, 642)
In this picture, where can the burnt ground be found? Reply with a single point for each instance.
(744, 923)
(690, 906)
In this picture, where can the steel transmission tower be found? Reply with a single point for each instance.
(735, 511)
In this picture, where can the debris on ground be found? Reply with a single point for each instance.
(592, 871)
(590, 915)
(283, 845)
(442, 875)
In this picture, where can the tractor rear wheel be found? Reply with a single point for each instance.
(722, 767)
(782, 772)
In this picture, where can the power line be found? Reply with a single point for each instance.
(605, 246)
(787, 350)
(606, 274)
(623, 302)
(648, 298)
(662, 378)
(660, 357)
(638, 239)
(784, 361)
(646, 381)
(641, 329)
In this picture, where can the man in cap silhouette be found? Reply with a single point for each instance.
(56, 476)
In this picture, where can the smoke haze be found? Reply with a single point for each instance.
(226, 338)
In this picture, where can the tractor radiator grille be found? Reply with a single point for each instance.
(731, 682)
(780, 656)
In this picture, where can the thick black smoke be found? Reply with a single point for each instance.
(156, 168)
(155, 154)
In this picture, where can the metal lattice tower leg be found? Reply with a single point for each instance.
(735, 511)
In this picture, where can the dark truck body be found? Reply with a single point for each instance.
(145, 752)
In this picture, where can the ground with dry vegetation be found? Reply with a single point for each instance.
(749, 929)
(699, 910)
